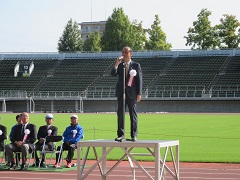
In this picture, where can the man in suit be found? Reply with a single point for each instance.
(19, 121)
(22, 140)
(46, 130)
(3, 136)
(133, 91)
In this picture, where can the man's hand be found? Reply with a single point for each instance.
(118, 61)
(41, 140)
(67, 143)
(139, 97)
(19, 143)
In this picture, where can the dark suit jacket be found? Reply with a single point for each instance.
(3, 136)
(136, 88)
(43, 132)
(18, 135)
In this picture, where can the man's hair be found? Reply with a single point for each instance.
(19, 115)
(127, 47)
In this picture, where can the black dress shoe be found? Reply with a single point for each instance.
(119, 139)
(23, 167)
(35, 164)
(134, 139)
(43, 164)
(12, 166)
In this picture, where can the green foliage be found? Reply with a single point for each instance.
(116, 34)
(71, 40)
(120, 32)
(93, 42)
(157, 38)
(138, 36)
(202, 137)
(229, 31)
(202, 35)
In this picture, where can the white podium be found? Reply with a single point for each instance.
(152, 146)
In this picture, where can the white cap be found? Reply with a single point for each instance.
(74, 116)
(49, 116)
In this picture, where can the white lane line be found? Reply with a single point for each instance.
(36, 173)
(202, 178)
(226, 173)
(34, 178)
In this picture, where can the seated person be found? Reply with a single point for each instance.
(23, 139)
(72, 135)
(46, 130)
(19, 122)
(3, 136)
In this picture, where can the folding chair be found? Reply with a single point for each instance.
(30, 156)
(53, 139)
(75, 164)
(3, 156)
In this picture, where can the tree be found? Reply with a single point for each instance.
(202, 35)
(138, 36)
(120, 32)
(229, 31)
(116, 34)
(157, 38)
(93, 42)
(71, 40)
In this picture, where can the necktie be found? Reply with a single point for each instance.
(22, 131)
(23, 126)
(126, 68)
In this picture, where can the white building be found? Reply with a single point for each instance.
(91, 27)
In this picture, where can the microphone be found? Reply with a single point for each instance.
(120, 58)
(118, 61)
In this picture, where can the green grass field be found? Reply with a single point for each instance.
(202, 137)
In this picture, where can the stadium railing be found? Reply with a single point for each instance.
(108, 92)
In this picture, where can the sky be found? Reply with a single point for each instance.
(37, 25)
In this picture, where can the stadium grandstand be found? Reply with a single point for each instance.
(173, 81)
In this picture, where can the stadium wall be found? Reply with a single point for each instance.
(145, 106)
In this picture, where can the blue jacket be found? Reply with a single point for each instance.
(12, 130)
(68, 134)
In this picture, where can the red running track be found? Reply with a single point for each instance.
(188, 171)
